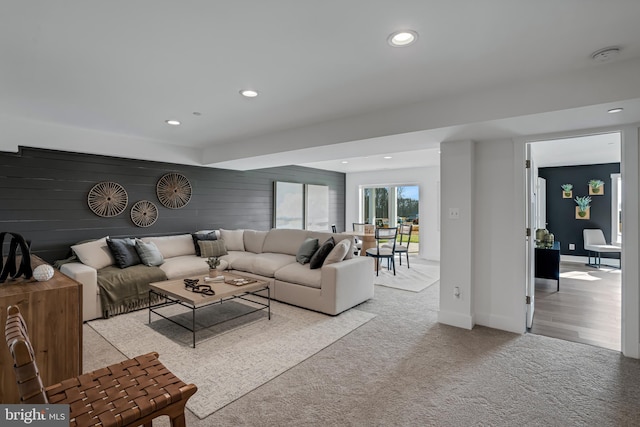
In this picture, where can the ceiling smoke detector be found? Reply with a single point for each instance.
(606, 54)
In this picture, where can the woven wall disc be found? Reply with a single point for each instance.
(144, 213)
(107, 199)
(173, 190)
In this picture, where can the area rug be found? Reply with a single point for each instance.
(419, 277)
(233, 358)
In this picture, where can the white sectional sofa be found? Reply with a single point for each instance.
(268, 255)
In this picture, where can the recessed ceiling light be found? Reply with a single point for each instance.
(344, 162)
(172, 122)
(402, 38)
(615, 110)
(388, 157)
(249, 93)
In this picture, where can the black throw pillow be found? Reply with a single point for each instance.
(124, 251)
(318, 257)
(202, 236)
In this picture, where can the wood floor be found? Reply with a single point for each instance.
(587, 309)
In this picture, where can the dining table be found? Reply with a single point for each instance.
(368, 239)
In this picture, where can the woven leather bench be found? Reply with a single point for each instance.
(129, 393)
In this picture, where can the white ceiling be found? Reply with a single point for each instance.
(331, 88)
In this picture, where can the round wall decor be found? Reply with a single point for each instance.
(173, 190)
(144, 213)
(107, 199)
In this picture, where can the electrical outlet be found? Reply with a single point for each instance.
(454, 213)
(456, 292)
(572, 246)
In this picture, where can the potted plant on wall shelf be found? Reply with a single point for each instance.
(596, 187)
(566, 191)
(583, 208)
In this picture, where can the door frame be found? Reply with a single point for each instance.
(629, 170)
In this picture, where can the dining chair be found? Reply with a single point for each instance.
(358, 227)
(129, 393)
(384, 235)
(402, 246)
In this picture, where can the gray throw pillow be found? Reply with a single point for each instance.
(306, 250)
(318, 258)
(124, 251)
(149, 253)
(202, 236)
(212, 248)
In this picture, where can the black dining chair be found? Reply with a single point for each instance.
(359, 227)
(382, 251)
(403, 245)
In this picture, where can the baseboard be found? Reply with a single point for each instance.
(503, 323)
(455, 319)
(607, 262)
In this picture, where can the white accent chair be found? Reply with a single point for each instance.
(595, 242)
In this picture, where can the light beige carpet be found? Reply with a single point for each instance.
(420, 275)
(233, 358)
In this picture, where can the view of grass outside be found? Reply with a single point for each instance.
(376, 209)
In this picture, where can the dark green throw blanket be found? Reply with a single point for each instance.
(126, 289)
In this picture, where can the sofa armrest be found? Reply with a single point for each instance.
(348, 283)
(88, 277)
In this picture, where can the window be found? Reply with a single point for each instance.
(386, 206)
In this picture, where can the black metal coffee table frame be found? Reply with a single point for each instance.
(169, 301)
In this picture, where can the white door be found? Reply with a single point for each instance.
(531, 239)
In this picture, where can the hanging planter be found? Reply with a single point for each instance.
(596, 187)
(567, 192)
(583, 210)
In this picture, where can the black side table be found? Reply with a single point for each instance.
(548, 263)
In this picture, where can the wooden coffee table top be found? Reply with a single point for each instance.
(176, 289)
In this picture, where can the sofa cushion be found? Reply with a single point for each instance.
(149, 253)
(202, 236)
(212, 248)
(254, 240)
(171, 246)
(234, 239)
(243, 261)
(266, 264)
(234, 257)
(318, 258)
(95, 254)
(338, 252)
(124, 252)
(300, 275)
(187, 265)
(284, 241)
(306, 250)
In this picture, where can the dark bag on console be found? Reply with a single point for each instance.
(9, 268)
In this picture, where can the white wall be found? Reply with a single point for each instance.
(428, 181)
(492, 255)
(457, 162)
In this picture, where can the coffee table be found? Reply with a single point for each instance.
(174, 292)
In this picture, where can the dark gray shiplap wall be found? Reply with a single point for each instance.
(43, 196)
(561, 220)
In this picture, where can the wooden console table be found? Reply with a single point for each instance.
(53, 313)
